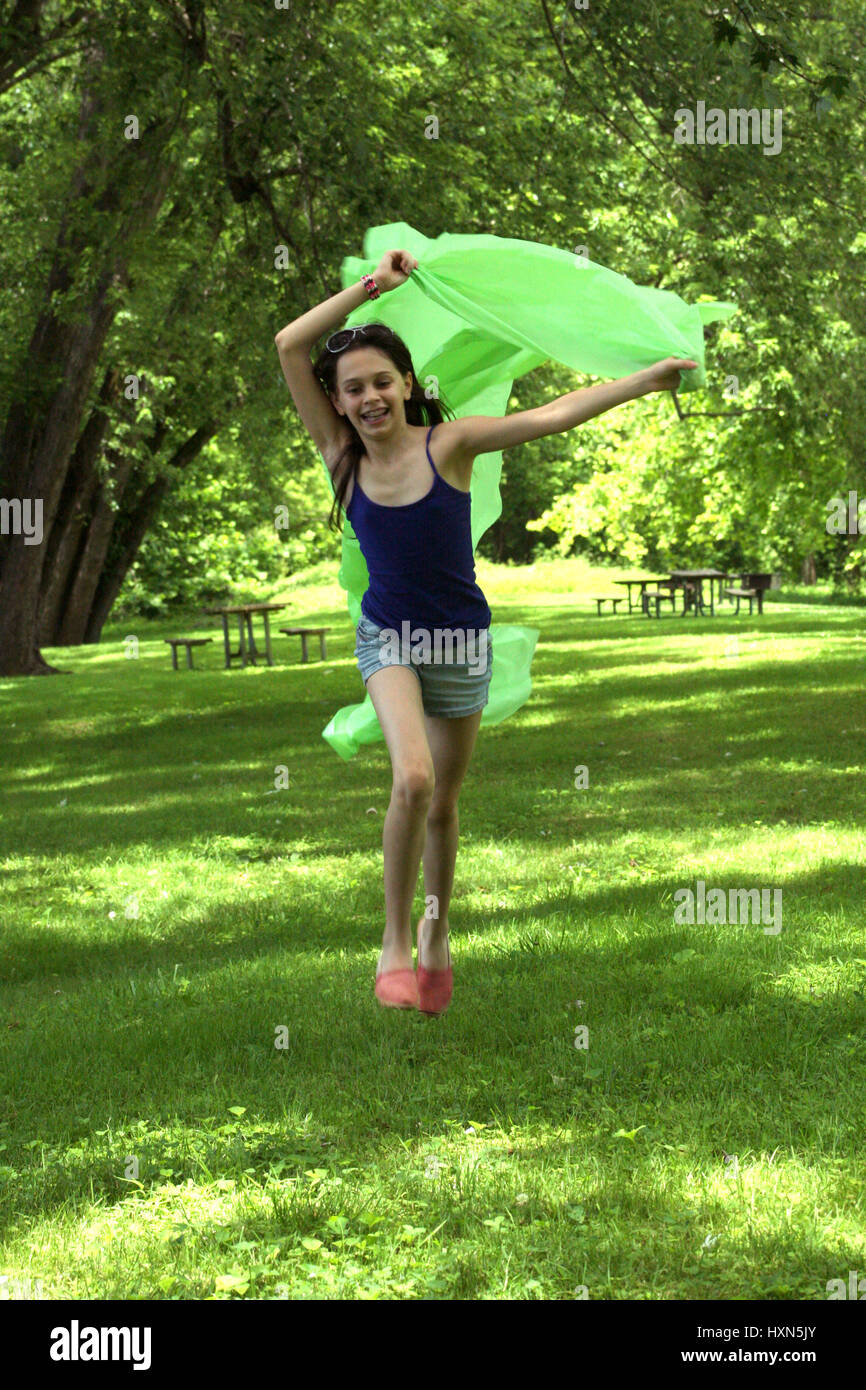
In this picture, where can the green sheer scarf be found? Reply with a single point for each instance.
(478, 312)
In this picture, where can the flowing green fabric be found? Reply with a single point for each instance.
(478, 312)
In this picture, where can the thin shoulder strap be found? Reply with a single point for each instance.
(432, 464)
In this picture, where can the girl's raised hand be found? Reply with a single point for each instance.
(394, 269)
(665, 376)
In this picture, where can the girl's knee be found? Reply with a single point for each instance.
(442, 810)
(414, 784)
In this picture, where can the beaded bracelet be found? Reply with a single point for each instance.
(371, 287)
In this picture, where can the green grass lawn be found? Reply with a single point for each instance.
(168, 917)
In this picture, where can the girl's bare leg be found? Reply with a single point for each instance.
(451, 744)
(396, 695)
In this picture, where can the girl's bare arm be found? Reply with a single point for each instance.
(394, 269)
(487, 434)
(305, 331)
(328, 430)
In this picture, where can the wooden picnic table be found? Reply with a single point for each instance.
(696, 578)
(245, 613)
(639, 584)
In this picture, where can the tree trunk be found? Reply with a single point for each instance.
(807, 573)
(133, 530)
(64, 545)
(76, 609)
(69, 534)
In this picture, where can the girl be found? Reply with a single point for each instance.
(401, 466)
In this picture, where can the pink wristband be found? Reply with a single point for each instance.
(371, 287)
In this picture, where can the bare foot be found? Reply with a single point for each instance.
(433, 944)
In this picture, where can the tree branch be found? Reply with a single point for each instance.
(598, 109)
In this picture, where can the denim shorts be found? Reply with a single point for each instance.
(449, 690)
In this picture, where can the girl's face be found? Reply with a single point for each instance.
(371, 391)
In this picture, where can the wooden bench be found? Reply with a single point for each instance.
(599, 601)
(189, 643)
(658, 596)
(304, 633)
(760, 581)
(750, 594)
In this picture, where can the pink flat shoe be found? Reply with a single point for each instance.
(397, 989)
(435, 987)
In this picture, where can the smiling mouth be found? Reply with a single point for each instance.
(380, 415)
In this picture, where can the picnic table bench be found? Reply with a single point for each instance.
(738, 594)
(189, 643)
(608, 599)
(759, 582)
(304, 633)
(665, 593)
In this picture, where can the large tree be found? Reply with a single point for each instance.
(50, 443)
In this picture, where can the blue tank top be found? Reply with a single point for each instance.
(420, 559)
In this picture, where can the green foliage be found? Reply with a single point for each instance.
(745, 484)
(222, 535)
(532, 476)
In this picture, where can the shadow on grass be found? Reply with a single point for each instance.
(194, 773)
(229, 931)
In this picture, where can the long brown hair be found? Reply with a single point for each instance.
(420, 408)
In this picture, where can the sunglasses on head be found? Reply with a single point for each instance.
(344, 337)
